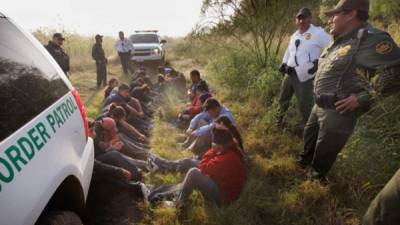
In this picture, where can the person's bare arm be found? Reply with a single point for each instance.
(132, 130)
(137, 106)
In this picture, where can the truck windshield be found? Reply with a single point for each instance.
(144, 38)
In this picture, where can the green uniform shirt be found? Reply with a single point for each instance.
(98, 53)
(59, 55)
(348, 65)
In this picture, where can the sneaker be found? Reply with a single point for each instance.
(152, 165)
(168, 204)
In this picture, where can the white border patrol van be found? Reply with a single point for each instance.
(46, 156)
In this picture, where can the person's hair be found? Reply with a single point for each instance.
(111, 81)
(361, 16)
(117, 112)
(232, 128)
(210, 104)
(202, 87)
(121, 32)
(123, 87)
(204, 97)
(195, 73)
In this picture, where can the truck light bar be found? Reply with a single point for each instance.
(149, 31)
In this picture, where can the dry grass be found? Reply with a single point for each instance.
(85, 83)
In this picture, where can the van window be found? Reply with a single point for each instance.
(29, 83)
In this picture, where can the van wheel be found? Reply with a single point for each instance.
(60, 218)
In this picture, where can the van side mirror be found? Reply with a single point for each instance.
(163, 41)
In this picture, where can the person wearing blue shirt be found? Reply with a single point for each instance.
(200, 128)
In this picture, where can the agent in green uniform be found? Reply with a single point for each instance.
(55, 49)
(385, 208)
(343, 88)
(99, 56)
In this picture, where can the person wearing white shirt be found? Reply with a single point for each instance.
(124, 47)
(300, 63)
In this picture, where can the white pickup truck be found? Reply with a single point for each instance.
(46, 156)
(148, 46)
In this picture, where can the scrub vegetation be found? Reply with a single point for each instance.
(276, 190)
(243, 75)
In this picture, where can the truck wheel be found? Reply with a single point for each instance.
(60, 218)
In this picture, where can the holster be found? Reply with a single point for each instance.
(326, 100)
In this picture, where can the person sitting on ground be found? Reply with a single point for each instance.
(141, 74)
(196, 81)
(177, 81)
(138, 82)
(199, 131)
(141, 93)
(158, 164)
(112, 166)
(112, 87)
(135, 147)
(130, 104)
(220, 176)
(196, 105)
(118, 114)
(160, 85)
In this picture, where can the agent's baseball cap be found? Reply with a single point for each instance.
(98, 36)
(305, 12)
(58, 36)
(361, 5)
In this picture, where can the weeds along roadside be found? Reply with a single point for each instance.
(277, 191)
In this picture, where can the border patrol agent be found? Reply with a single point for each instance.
(343, 86)
(300, 64)
(385, 208)
(58, 53)
(99, 56)
(124, 47)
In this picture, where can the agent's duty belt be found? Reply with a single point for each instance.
(290, 70)
(328, 100)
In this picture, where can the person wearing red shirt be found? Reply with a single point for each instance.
(195, 107)
(221, 173)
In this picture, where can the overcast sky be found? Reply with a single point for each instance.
(89, 17)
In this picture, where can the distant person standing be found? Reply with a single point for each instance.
(124, 47)
(58, 53)
(101, 61)
(300, 64)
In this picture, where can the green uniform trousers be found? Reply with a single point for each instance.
(325, 134)
(101, 71)
(304, 94)
(385, 208)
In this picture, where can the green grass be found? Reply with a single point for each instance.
(277, 192)
(85, 82)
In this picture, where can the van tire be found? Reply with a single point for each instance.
(60, 218)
